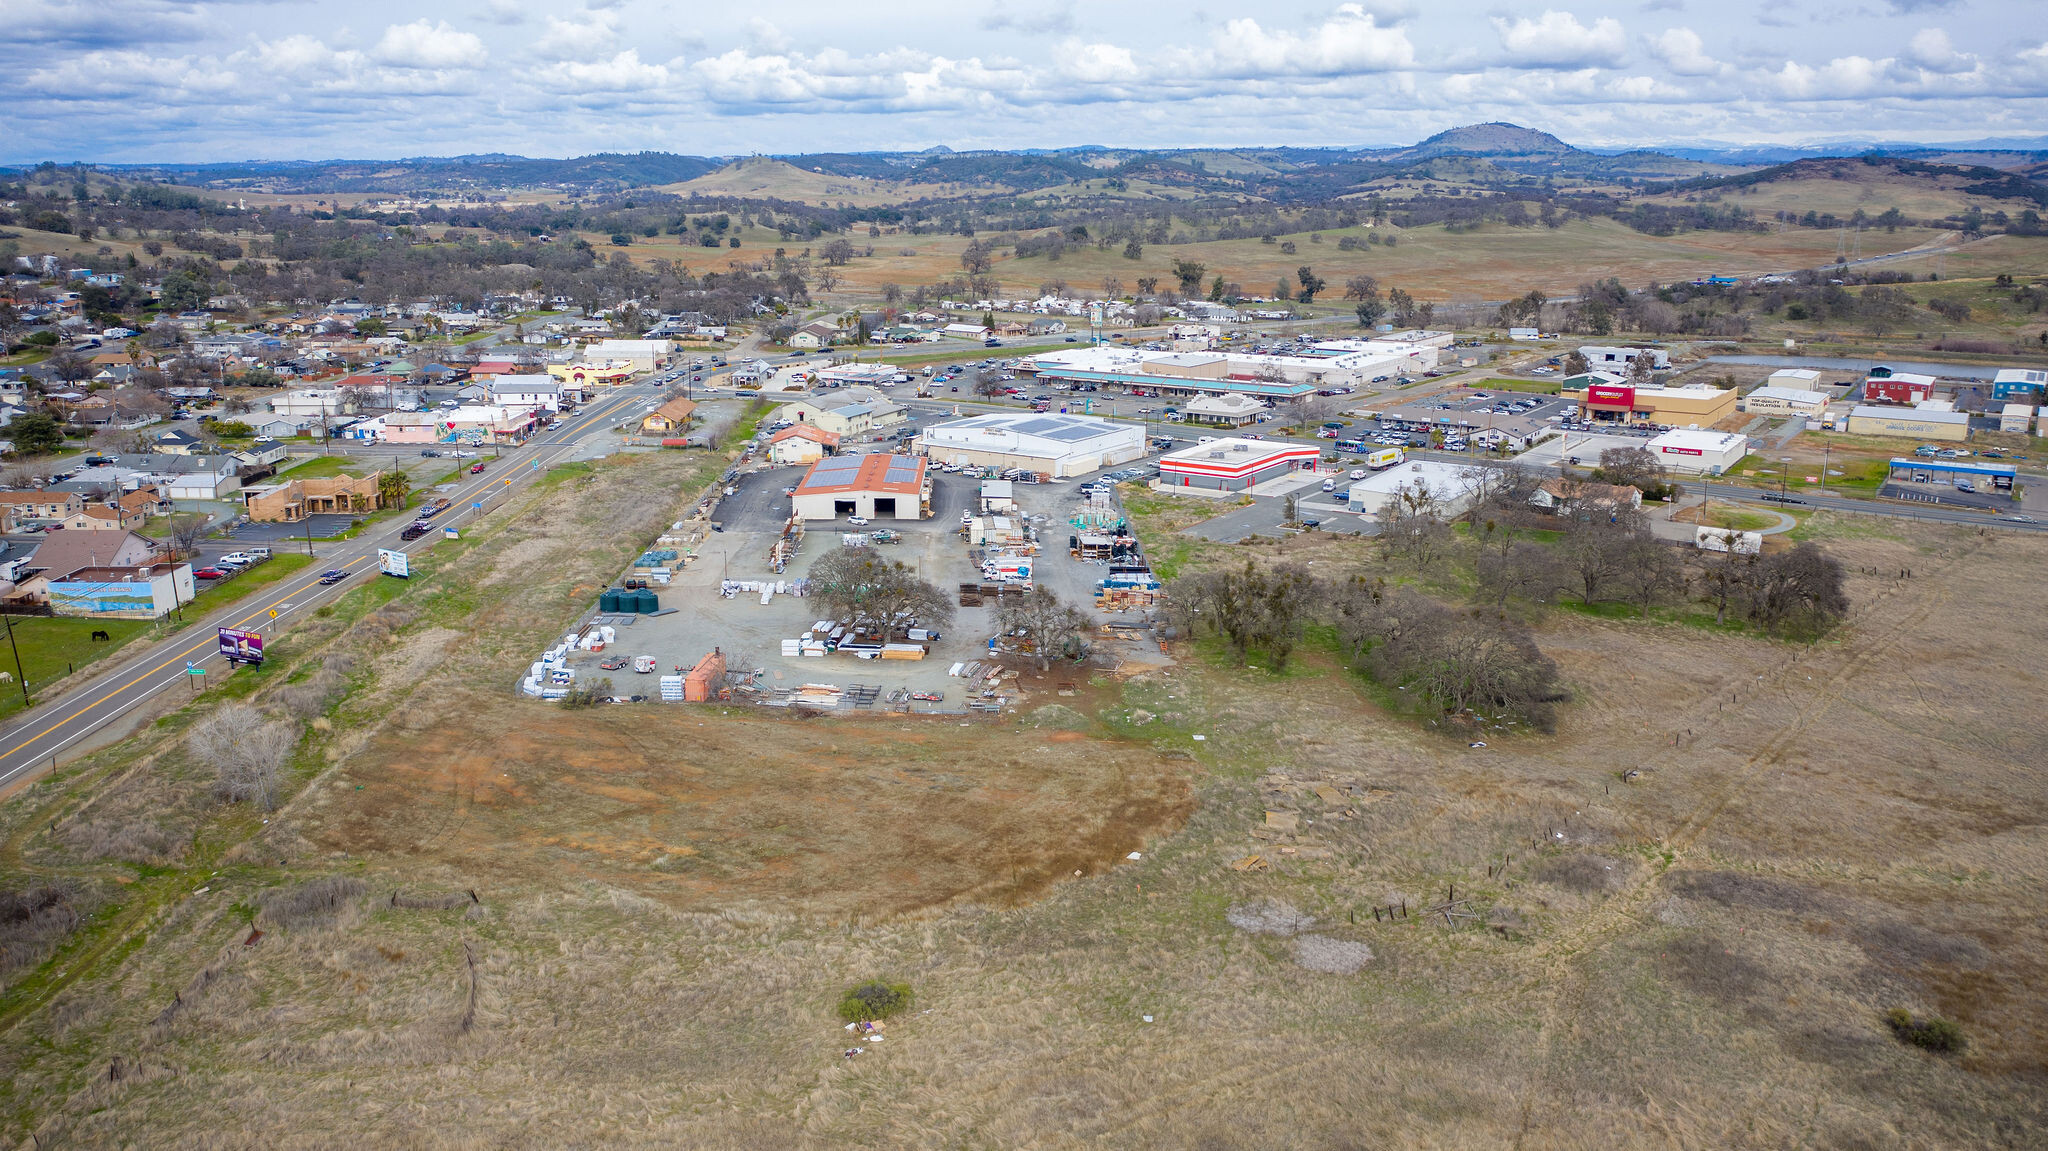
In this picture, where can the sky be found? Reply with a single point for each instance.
(168, 81)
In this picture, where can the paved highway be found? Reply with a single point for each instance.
(34, 740)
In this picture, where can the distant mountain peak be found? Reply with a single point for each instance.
(1494, 140)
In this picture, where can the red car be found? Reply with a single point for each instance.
(476, 468)
(210, 573)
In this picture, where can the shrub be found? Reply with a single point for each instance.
(874, 1000)
(1931, 1034)
(313, 901)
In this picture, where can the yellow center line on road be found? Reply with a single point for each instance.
(211, 646)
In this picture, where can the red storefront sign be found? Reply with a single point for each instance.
(1680, 451)
(1610, 396)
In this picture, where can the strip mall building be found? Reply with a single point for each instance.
(1605, 399)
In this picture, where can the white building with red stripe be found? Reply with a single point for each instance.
(1232, 464)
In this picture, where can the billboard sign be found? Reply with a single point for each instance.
(238, 646)
(1611, 396)
(394, 563)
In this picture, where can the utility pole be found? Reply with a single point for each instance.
(21, 676)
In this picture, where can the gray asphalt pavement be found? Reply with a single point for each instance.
(33, 741)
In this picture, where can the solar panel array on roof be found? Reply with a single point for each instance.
(1038, 427)
(900, 475)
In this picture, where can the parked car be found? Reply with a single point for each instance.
(242, 559)
(857, 521)
(210, 573)
(429, 453)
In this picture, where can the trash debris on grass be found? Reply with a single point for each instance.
(1135, 855)
(1250, 863)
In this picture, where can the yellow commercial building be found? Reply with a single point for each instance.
(606, 375)
(1605, 399)
(1911, 423)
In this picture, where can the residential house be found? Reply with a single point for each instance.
(814, 335)
(103, 517)
(145, 502)
(670, 418)
(283, 427)
(19, 508)
(524, 390)
(302, 402)
(178, 442)
(294, 500)
(62, 553)
(802, 444)
(211, 477)
(1562, 496)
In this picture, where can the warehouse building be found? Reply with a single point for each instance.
(1699, 452)
(1602, 356)
(2016, 418)
(1777, 401)
(1232, 465)
(1884, 386)
(1451, 488)
(2020, 383)
(1052, 444)
(881, 486)
(1915, 423)
(1601, 399)
(641, 355)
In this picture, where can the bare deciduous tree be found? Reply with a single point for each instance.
(248, 750)
(877, 594)
(1056, 629)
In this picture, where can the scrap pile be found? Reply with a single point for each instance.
(766, 589)
(826, 636)
(1126, 588)
(785, 547)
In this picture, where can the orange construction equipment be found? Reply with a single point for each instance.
(704, 681)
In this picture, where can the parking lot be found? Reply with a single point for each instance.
(751, 632)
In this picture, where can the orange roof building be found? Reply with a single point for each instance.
(878, 486)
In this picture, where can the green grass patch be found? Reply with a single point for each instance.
(54, 647)
(1503, 384)
(562, 473)
(749, 423)
(255, 579)
(323, 466)
(1737, 519)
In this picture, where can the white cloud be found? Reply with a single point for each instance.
(1684, 53)
(429, 46)
(1350, 41)
(1005, 17)
(504, 12)
(1931, 50)
(622, 73)
(1557, 40)
(583, 34)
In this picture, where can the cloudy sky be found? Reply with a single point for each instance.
(165, 80)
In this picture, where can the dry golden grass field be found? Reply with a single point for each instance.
(1692, 906)
(1493, 263)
